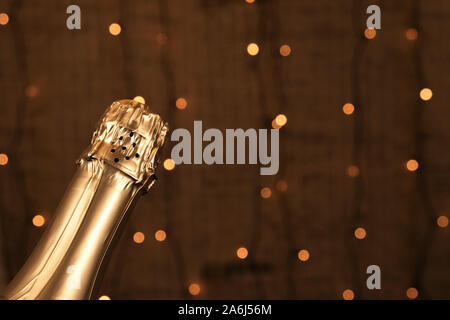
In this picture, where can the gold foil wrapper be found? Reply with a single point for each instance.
(128, 138)
(118, 165)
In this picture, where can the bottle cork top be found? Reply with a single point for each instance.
(129, 137)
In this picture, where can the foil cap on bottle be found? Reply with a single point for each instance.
(129, 138)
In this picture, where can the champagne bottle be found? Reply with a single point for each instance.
(119, 165)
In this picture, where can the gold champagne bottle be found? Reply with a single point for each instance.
(119, 164)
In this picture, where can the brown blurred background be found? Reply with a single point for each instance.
(341, 171)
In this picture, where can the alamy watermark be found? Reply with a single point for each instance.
(74, 20)
(374, 20)
(235, 140)
(374, 280)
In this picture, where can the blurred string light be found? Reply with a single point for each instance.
(266, 192)
(442, 221)
(352, 171)
(4, 19)
(160, 235)
(169, 164)
(38, 220)
(281, 120)
(426, 94)
(114, 29)
(411, 34)
(348, 294)
(3, 159)
(104, 298)
(181, 103)
(161, 38)
(31, 91)
(285, 50)
(249, 1)
(253, 49)
(348, 108)
(138, 237)
(360, 233)
(303, 255)
(242, 253)
(370, 33)
(412, 165)
(139, 99)
(281, 185)
(412, 293)
(275, 125)
(194, 289)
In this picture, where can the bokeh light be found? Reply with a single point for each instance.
(266, 192)
(285, 50)
(412, 293)
(352, 171)
(38, 220)
(194, 289)
(348, 108)
(412, 165)
(242, 252)
(370, 33)
(348, 294)
(411, 34)
(360, 233)
(281, 120)
(161, 38)
(181, 103)
(426, 94)
(114, 29)
(303, 255)
(252, 49)
(3, 159)
(281, 185)
(4, 19)
(275, 125)
(160, 235)
(138, 237)
(169, 164)
(442, 221)
(104, 298)
(31, 91)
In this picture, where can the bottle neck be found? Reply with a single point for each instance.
(66, 262)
